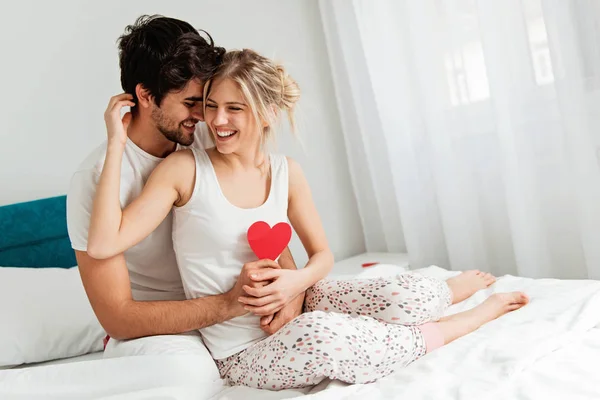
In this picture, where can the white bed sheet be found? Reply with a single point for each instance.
(549, 349)
(571, 372)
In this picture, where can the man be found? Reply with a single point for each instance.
(164, 63)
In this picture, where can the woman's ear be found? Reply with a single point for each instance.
(273, 112)
(145, 99)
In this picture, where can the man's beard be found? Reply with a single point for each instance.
(170, 129)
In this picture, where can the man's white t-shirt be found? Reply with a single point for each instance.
(152, 266)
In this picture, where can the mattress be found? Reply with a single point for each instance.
(548, 349)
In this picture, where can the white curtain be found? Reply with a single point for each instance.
(473, 129)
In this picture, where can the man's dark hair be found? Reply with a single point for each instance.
(164, 54)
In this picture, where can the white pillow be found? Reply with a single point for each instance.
(45, 315)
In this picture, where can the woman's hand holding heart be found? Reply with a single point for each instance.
(286, 285)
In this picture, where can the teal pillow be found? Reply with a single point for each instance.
(34, 234)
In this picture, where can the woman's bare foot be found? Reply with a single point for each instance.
(467, 283)
(498, 304)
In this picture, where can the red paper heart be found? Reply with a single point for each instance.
(267, 242)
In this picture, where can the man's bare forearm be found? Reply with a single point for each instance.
(147, 318)
(106, 283)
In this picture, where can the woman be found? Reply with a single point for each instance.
(355, 331)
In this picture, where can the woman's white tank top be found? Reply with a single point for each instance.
(211, 246)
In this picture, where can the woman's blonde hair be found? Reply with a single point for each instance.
(265, 85)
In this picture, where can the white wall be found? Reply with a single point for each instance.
(59, 68)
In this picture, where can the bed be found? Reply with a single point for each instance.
(50, 343)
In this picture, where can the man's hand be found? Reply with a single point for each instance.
(272, 323)
(115, 125)
(246, 278)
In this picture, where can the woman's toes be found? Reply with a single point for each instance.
(523, 298)
(489, 279)
(518, 298)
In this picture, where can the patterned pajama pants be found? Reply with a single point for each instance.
(356, 331)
